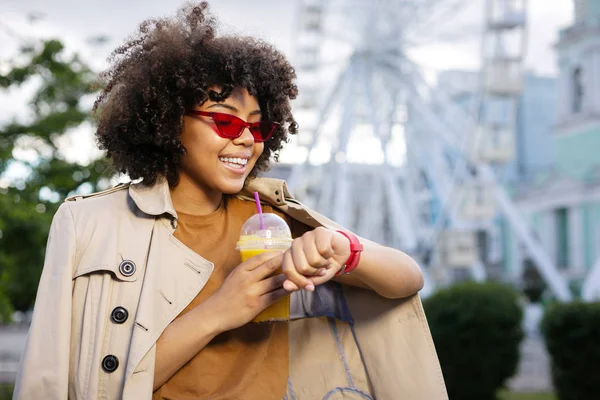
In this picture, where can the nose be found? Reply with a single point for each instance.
(246, 139)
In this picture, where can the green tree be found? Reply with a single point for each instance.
(476, 328)
(28, 202)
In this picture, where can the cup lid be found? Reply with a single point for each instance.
(273, 227)
(274, 233)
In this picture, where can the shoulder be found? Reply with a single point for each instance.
(110, 198)
(97, 207)
(270, 190)
(105, 194)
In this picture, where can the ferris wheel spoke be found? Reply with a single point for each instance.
(325, 110)
(438, 16)
(402, 232)
(438, 36)
(460, 170)
(340, 209)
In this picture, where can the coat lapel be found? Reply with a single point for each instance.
(174, 276)
(174, 273)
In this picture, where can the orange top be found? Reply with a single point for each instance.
(250, 362)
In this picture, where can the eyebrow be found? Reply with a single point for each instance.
(232, 108)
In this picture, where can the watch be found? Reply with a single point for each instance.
(355, 249)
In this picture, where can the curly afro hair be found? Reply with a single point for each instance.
(167, 68)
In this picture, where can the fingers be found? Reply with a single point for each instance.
(290, 286)
(289, 269)
(268, 267)
(299, 256)
(326, 276)
(321, 277)
(253, 263)
(323, 242)
(313, 256)
(272, 283)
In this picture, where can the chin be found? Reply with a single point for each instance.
(232, 187)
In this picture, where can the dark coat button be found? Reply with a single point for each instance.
(119, 315)
(127, 268)
(110, 363)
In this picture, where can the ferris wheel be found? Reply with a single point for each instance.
(431, 186)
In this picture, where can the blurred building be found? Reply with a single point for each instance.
(532, 151)
(554, 174)
(563, 202)
(534, 145)
(535, 150)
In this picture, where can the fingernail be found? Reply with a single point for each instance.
(310, 287)
(323, 271)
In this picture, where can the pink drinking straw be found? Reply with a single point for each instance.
(259, 209)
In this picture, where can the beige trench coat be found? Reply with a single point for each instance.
(115, 277)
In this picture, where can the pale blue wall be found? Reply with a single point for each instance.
(577, 155)
(591, 220)
(507, 248)
(535, 145)
(594, 11)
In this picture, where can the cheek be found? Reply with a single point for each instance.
(258, 150)
(203, 143)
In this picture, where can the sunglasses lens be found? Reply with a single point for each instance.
(229, 126)
(262, 131)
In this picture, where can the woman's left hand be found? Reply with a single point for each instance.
(314, 258)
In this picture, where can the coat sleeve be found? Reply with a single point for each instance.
(44, 368)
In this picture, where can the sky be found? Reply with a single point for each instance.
(457, 45)
(273, 20)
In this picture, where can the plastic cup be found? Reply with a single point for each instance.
(274, 235)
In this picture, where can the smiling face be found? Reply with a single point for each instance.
(214, 164)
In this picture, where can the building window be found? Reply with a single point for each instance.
(562, 238)
(483, 246)
(577, 88)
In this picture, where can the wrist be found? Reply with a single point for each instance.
(355, 250)
(341, 248)
(211, 318)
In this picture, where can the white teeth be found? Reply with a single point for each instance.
(236, 161)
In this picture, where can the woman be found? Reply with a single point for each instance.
(143, 293)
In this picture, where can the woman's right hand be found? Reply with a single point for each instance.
(248, 290)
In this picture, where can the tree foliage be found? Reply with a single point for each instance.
(28, 200)
(477, 330)
(571, 332)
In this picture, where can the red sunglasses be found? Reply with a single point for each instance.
(231, 127)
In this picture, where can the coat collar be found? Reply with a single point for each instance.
(153, 200)
(156, 199)
(270, 190)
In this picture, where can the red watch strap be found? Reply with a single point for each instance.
(355, 249)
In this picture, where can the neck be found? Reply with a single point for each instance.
(190, 198)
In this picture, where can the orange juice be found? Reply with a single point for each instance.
(260, 233)
(278, 311)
